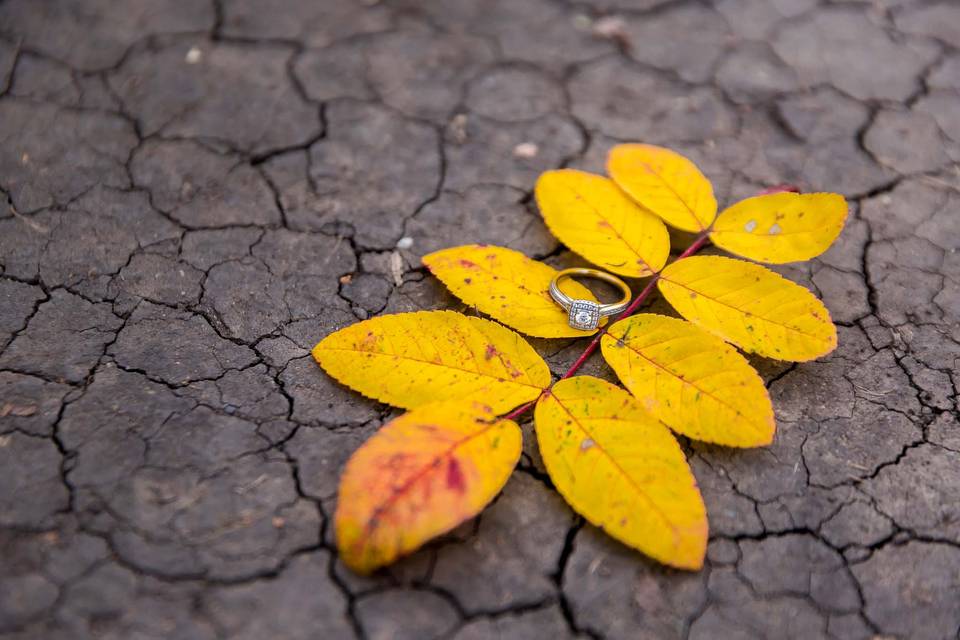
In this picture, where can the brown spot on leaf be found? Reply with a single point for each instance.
(369, 342)
(455, 480)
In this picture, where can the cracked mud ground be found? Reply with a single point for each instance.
(197, 191)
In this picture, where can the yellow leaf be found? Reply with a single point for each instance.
(750, 306)
(411, 359)
(695, 383)
(589, 214)
(420, 476)
(622, 470)
(507, 286)
(664, 182)
(781, 227)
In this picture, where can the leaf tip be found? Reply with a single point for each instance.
(318, 349)
(693, 559)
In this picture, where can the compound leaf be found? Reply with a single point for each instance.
(622, 470)
(750, 306)
(781, 227)
(507, 286)
(693, 382)
(589, 214)
(664, 182)
(411, 359)
(420, 476)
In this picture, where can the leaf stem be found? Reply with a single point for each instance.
(698, 244)
(522, 409)
(701, 240)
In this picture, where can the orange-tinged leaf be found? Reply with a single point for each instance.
(750, 306)
(508, 286)
(420, 476)
(781, 227)
(622, 470)
(589, 214)
(411, 359)
(664, 182)
(696, 384)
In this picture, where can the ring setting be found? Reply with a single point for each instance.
(585, 315)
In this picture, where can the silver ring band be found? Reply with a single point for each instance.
(585, 314)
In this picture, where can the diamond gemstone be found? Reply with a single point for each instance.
(584, 315)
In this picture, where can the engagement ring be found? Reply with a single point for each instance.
(585, 314)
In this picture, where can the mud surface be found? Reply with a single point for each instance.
(195, 191)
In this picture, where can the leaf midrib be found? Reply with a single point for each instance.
(540, 295)
(650, 169)
(741, 311)
(441, 365)
(596, 211)
(389, 502)
(630, 480)
(718, 231)
(683, 380)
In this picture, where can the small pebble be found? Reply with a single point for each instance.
(582, 22)
(458, 128)
(526, 150)
(194, 55)
(611, 27)
(405, 242)
(396, 268)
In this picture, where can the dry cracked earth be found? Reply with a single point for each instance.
(196, 191)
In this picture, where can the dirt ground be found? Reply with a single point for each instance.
(200, 190)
